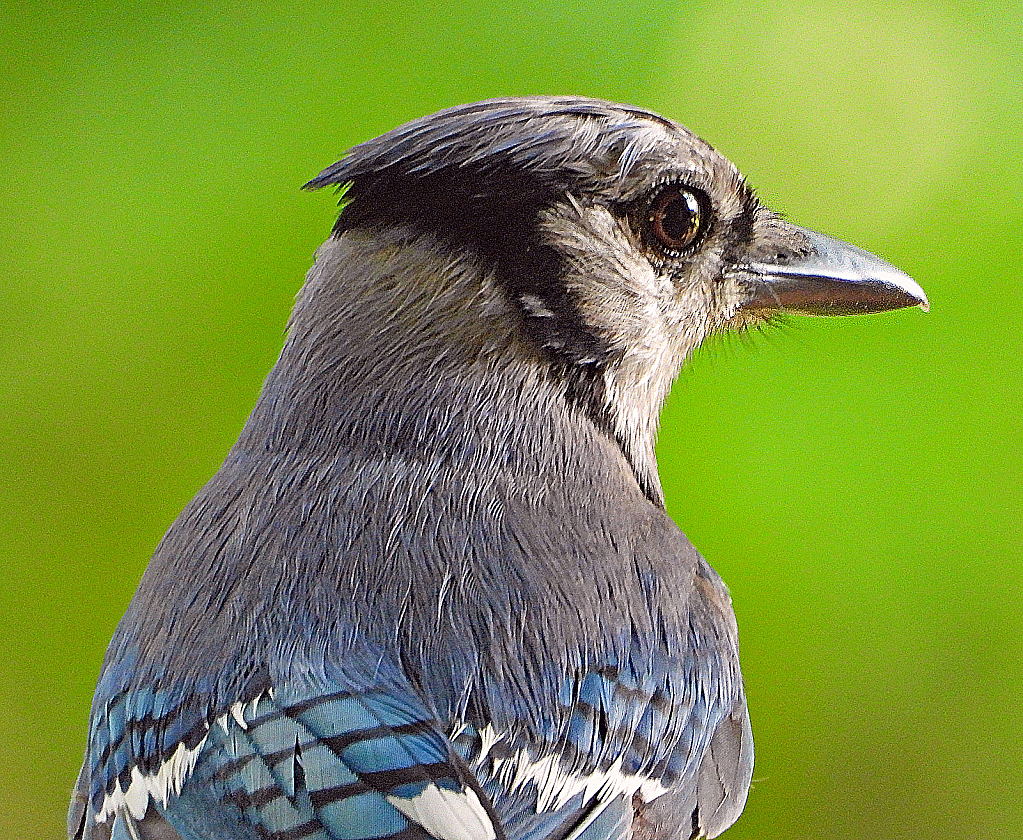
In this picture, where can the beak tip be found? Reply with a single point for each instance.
(912, 289)
(836, 278)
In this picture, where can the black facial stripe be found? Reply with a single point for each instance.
(498, 221)
(494, 217)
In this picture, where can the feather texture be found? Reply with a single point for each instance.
(433, 593)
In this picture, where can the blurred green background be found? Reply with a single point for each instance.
(856, 481)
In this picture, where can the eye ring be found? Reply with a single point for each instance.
(676, 218)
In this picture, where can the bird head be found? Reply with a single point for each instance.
(609, 241)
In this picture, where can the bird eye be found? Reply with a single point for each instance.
(676, 218)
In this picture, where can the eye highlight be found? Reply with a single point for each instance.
(676, 218)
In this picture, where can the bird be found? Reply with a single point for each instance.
(433, 592)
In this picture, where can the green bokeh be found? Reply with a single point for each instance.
(856, 481)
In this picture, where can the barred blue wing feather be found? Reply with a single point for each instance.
(628, 734)
(374, 763)
(338, 764)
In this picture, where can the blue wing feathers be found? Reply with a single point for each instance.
(333, 758)
(336, 766)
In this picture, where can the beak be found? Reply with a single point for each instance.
(835, 278)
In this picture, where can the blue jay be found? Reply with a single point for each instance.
(433, 593)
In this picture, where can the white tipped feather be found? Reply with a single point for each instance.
(555, 786)
(447, 814)
(238, 713)
(159, 786)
